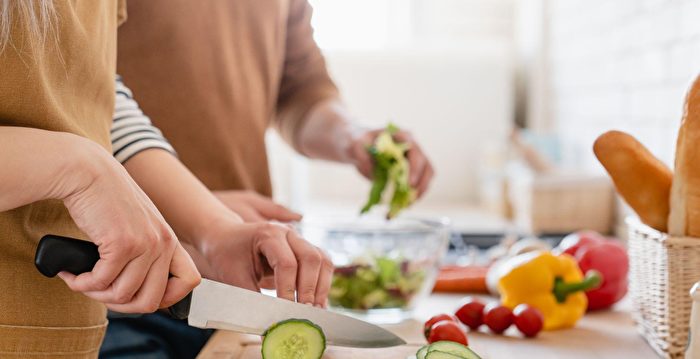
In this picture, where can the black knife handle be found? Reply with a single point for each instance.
(57, 254)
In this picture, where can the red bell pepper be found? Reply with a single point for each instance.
(609, 257)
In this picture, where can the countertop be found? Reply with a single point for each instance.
(608, 334)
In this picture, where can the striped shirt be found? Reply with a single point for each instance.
(132, 131)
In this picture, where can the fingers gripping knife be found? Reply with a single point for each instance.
(221, 306)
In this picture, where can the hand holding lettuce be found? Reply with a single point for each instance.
(391, 168)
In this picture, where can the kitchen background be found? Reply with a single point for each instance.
(460, 73)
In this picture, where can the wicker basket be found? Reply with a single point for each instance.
(662, 271)
(562, 203)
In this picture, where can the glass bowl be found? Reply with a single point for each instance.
(382, 268)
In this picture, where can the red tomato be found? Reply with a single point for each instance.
(529, 320)
(498, 318)
(447, 330)
(433, 320)
(471, 313)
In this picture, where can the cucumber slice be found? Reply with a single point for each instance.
(452, 348)
(422, 352)
(293, 339)
(441, 355)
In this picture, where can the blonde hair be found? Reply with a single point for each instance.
(37, 18)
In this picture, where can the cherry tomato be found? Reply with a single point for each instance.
(433, 320)
(447, 330)
(471, 313)
(498, 318)
(529, 320)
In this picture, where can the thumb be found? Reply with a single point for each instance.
(363, 161)
(184, 277)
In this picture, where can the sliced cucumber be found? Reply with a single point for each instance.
(453, 348)
(422, 352)
(293, 339)
(441, 355)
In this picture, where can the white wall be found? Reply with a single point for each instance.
(455, 103)
(622, 64)
(441, 68)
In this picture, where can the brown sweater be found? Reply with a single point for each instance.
(67, 86)
(213, 75)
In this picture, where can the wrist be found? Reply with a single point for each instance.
(355, 135)
(84, 162)
(329, 133)
(211, 228)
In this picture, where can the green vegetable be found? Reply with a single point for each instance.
(453, 348)
(293, 339)
(446, 350)
(390, 167)
(422, 352)
(441, 355)
(383, 283)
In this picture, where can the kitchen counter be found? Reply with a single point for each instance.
(609, 334)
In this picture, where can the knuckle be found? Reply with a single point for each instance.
(269, 230)
(287, 265)
(313, 258)
(99, 283)
(326, 262)
(150, 306)
(130, 247)
(168, 238)
(308, 290)
(125, 243)
(122, 297)
(147, 242)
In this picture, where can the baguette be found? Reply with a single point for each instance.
(643, 181)
(684, 219)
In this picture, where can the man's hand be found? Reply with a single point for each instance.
(254, 207)
(421, 170)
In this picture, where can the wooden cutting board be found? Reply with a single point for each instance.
(228, 345)
(246, 347)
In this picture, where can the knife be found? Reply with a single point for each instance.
(217, 305)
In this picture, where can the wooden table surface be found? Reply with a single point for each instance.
(609, 334)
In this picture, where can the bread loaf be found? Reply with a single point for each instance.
(643, 181)
(684, 219)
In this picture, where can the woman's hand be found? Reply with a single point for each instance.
(421, 170)
(138, 249)
(254, 207)
(248, 255)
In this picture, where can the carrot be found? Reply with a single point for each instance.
(460, 279)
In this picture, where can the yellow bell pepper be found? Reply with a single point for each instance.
(552, 284)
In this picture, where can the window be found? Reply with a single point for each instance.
(382, 24)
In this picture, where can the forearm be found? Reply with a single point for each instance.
(187, 205)
(38, 164)
(327, 132)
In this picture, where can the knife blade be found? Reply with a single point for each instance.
(217, 305)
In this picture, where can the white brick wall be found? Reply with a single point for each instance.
(620, 64)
